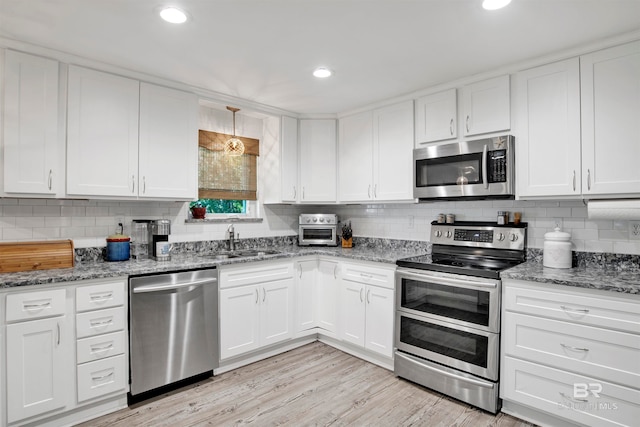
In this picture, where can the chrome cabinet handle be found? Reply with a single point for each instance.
(335, 269)
(368, 296)
(451, 127)
(294, 192)
(361, 299)
(144, 184)
(257, 295)
(572, 399)
(588, 179)
(101, 297)
(98, 323)
(303, 193)
(50, 179)
(264, 294)
(467, 123)
(575, 310)
(98, 349)
(369, 191)
(58, 329)
(102, 377)
(299, 271)
(570, 347)
(375, 191)
(574, 180)
(133, 183)
(36, 306)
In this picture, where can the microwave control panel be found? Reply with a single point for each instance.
(497, 165)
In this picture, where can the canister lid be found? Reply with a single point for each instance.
(118, 238)
(557, 236)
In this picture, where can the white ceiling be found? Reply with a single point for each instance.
(265, 50)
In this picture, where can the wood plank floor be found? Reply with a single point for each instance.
(314, 385)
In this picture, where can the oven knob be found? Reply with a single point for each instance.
(449, 234)
(438, 233)
(308, 220)
(321, 219)
(500, 237)
(315, 219)
(513, 237)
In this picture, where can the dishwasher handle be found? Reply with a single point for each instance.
(158, 288)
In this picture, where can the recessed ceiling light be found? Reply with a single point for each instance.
(173, 15)
(495, 4)
(322, 72)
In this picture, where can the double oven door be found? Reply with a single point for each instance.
(450, 319)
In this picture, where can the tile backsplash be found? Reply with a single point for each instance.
(88, 222)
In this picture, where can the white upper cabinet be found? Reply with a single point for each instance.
(318, 160)
(486, 106)
(375, 150)
(436, 117)
(102, 134)
(168, 149)
(547, 108)
(33, 143)
(289, 159)
(130, 139)
(355, 158)
(610, 82)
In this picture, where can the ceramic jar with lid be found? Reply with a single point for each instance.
(557, 249)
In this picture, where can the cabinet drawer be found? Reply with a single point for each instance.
(598, 310)
(100, 347)
(99, 296)
(244, 275)
(602, 353)
(36, 305)
(99, 322)
(102, 377)
(574, 397)
(368, 274)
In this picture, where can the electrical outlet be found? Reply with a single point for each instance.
(634, 230)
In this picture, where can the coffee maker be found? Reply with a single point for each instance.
(159, 247)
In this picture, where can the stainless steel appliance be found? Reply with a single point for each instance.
(318, 230)
(478, 169)
(448, 310)
(159, 247)
(173, 330)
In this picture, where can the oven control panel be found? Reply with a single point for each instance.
(485, 236)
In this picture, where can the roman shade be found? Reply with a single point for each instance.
(221, 176)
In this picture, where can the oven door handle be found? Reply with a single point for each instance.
(448, 281)
(447, 374)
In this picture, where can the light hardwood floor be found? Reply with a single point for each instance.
(314, 385)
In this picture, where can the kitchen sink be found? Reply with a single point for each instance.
(241, 253)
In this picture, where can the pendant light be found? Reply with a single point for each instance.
(233, 146)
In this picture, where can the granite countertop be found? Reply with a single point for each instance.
(589, 277)
(100, 270)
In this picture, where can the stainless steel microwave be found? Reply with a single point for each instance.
(479, 169)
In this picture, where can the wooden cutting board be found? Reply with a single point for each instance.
(40, 255)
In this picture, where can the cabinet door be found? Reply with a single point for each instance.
(610, 81)
(39, 369)
(352, 310)
(32, 145)
(379, 320)
(393, 152)
(318, 160)
(436, 117)
(327, 302)
(168, 143)
(548, 130)
(289, 159)
(486, 106)
(305, 295)
(102, 134)
(239, 320)
(276, 311)
(355, 158)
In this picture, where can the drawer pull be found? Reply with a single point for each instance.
(98, 323)
(101, 297)
(573, 399)
(102, 377)
(33, 307)
(574, 310)
(570, 347)
(98, 348)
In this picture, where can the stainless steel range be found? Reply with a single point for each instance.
(448, 310)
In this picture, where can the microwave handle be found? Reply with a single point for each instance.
(484, 167)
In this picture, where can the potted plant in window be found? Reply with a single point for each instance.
(198, 210)
(347, 235)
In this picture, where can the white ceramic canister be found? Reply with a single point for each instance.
(557, 249)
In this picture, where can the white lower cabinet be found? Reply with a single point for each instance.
(327, 296)
(367, 307)
(256, 307)
(570, 354)
(306, 283)
(317, 295)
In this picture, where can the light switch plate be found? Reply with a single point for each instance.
(634, 230)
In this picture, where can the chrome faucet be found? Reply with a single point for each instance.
(231, 234)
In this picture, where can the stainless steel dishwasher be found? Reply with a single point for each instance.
(173, 330)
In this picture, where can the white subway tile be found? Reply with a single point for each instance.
(17, 234)
(46, 210)
(29, 222)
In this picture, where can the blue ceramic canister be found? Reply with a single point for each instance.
(118, 246)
